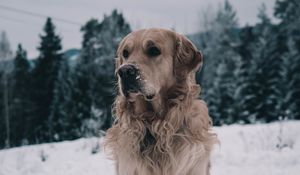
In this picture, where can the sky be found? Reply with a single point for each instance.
(182, 15)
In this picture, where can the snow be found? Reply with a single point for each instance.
(260, 149)
(65, 158)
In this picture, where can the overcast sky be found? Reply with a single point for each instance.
(183, 15)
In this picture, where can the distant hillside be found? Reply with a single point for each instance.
(73, 54)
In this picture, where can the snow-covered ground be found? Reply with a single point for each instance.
(261, 149)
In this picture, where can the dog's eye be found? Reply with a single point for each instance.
(153, 51)
(125, 53)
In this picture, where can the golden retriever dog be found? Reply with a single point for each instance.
(160, 127)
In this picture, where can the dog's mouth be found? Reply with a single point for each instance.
(133, 84)
(136, 87)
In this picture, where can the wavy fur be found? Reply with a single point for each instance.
(172, 139)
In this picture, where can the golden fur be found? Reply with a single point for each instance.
(169, 134)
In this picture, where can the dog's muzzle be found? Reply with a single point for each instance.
(129, 75)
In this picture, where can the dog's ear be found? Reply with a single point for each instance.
(187, 58)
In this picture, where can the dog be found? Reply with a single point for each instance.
(160, 127)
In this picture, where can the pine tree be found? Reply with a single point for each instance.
(245, 94)
(262, 14)
(61, 103)
(288, 13)
(221, 36)
(262, 31)
(272, 71)
(112, 30)
(95, 72)
(251, 78)
(21, 103)
(5, 71)
(83, 76)
(221, 65)
(216, 96)
(45, 73)
(287, 10)
(293, 79)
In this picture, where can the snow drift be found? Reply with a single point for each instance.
(261, 149)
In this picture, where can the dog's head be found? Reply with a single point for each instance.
(153, 60)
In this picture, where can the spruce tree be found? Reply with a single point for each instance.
(21, 104)
(113, 29)
(45, 73)
(5, 86)
(288, 13)
(262, 31)
(251, 78)
(83, 78)
(245, 95)
(221, 58)
(61, 105)
(272, 71)
(95, 72)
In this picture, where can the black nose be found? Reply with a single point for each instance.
(128, 71)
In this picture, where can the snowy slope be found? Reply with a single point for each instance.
(265, 149)
(262, 149)
(65, 158)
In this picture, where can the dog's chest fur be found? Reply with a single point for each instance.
(148, 141)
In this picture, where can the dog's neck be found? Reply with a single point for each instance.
(156, 109)
(146, 110)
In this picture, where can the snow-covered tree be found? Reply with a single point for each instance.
(252, 89)
(246, 92)
(5, 70)
(219, 69)
(45, 74)
(112, 30)
(21, 101)
(83, 76)
(94, 73)
(221, 36)
(288, 13)
(272, 71)
(262, 32)
(62, 103)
